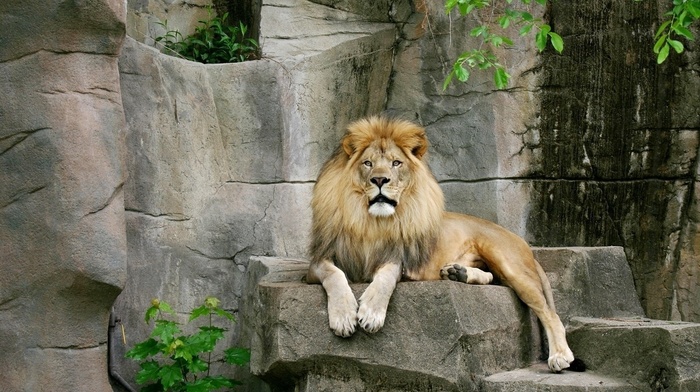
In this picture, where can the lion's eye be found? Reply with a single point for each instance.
(367, 163)
(396, 163)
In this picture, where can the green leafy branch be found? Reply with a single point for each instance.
(213, 41)
(485, 58)
(172, 361)
(682, 15)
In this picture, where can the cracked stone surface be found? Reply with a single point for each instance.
(62, 228)
(594, 146)
(222, 158)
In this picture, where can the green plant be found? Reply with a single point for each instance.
(677, 23)
(213, 41)
(172, 361)
(679, 18)
(483, 57)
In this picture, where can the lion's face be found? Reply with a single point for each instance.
(384, 173)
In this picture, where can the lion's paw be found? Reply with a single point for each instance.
(560, 361)
(454, 272)
(342, 316)
(370, 318)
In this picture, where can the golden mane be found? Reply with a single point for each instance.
(344, 232)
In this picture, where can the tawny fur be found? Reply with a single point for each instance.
(378, 217)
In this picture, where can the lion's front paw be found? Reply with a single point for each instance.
(560, 361)
(371, 318)
(342, 316)
(454, 272)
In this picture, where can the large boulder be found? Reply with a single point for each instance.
(441, 335)
(62, 228)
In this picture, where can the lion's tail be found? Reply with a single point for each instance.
(546, 287)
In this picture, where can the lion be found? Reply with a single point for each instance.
(378, 217)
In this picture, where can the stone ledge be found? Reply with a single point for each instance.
(437, 336)
(661, 355)
(538, 378)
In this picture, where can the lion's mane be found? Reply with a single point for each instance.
(344, 232)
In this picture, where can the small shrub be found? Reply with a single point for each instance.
(171, 361)
(212, 42)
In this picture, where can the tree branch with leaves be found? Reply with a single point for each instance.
(674, 28)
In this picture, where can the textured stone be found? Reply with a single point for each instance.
(600, 142)
(62, 229)
(448, 336)
(590, 282)
(221, 159)
(658, 355)
(460, 341)
(539, 378)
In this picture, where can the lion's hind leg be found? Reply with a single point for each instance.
(468, 268)
(461, 273)
(527, 284)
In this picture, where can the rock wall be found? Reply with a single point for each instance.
(222, 158)
(596, 146)
(62, 227)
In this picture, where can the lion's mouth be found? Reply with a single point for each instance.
(380, 198)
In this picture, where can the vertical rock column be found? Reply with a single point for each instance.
(62, 231)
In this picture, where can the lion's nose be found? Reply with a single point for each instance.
(379, 181)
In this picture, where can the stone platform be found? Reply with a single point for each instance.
(449, 336)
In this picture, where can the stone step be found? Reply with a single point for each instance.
(538, 378)
(655, 354)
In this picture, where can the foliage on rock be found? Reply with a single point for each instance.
(213, 42)
(668, 36)
(172, 361)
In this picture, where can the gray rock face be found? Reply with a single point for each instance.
(659, 355)
(222, 159)
(595, 146)
(62, 228)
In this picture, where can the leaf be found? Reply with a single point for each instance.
(149, 372)
(165, 330)
(225, 314)
(680, 30)
(197, 365)
(479, 30)
(211, 383)
(676, 45)
(500, 78)
(449, 5)
(151, 313)
(447, 81)
(663, 54)
(504, 21)
(145, 349)
(165, 307)
(541, 40)
(525, 29)
(170, 375)
(557, 42)
(237, 356)
(199, 312)
(659, 43)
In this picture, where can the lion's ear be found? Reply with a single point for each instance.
(348, 145)
(421, 145)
